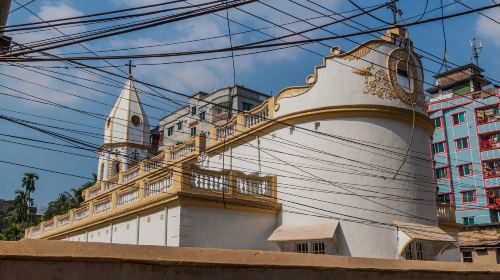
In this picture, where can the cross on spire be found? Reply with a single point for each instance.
(395, 11)
(130, 65)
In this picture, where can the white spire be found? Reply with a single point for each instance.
(127, 122)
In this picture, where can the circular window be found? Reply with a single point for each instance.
(136, 120)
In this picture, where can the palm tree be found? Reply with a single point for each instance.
(29, 180)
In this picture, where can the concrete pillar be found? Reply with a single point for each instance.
(5, 41)
(4, 12)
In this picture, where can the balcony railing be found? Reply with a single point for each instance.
(94, 190)
(257, 115)
(253, 185)
(111, 183)
(226, 130)
(102, 206)
(131, 174)
(48, 226)
(445, 211)
(158, 186)
(127, 197)
(35, 231)
(154, 163)
(210, 180)
(63, 220)
(183, 150)
(81, 214)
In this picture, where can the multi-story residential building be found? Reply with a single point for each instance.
(465, 146)
(203, 111)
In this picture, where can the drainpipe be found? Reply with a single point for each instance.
(4, 14)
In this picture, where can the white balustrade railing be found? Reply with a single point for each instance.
(223, 132)
(206, 181)
(158, 186)
(111, 183)
(81, 214)
(49, 226)
(130, 175)
(62, 221)
(102, 207)
(256, 117)
(35, 231)
(127, 197)
(94, 192)
(153, 164)
(253, 186)
(175, 154)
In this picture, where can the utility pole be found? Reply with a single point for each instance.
(4, 14)
(476, 45)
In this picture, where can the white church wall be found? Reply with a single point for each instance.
(153, 227)
(81, 236)
(99, 234)
(125, 231)
(327, 178)
(220, 228)
(173, 226)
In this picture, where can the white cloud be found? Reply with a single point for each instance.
(51, 11)
(488, 29)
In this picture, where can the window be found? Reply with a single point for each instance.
(420, 250)
(467, 257)
(193, 131)
(414, 251)
(444, 198)
(465, 170)
(468, 220)
(458, 118)
(405, 79)
(468, 196)
(301, 247)
(170, 131)
(318, 248)
(202, 116)
(179, 125)
(246, 106)
(441, 173)
(462, 143)
(193, 110)
(438, 123)
(438, 148)
(408, 252)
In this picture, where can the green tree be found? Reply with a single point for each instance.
(13, 232)
(65, 201)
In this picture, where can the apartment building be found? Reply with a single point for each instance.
(465, 144)
(203, 111)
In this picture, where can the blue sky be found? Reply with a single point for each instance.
(269, 72)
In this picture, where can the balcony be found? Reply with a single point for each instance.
(445, 211)
(493, 196)
(490, 141)
(488, 115)
(491, 169)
